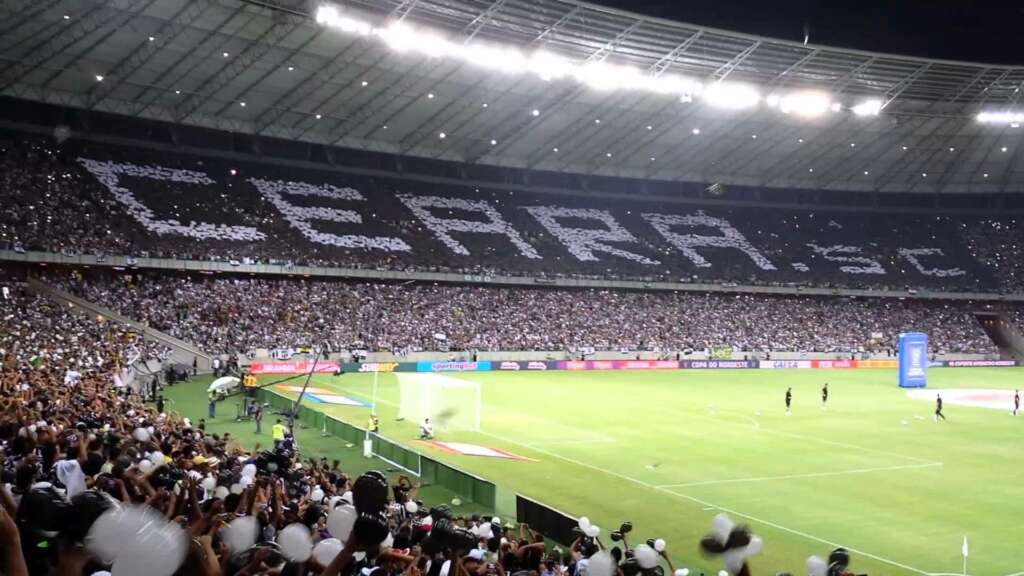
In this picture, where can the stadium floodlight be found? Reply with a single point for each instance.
(731, 95)
(507, 60)
(808, 104)
(330, 16)
(868, 108)
(604, 76)
(1000, 117)
(549, 66)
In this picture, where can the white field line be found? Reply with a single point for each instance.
(821, 440)
(575, 442)
(705, 503)
(796, 476)
(588, 437)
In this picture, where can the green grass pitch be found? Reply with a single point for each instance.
(670, 449)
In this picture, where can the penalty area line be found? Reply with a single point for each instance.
(707, 504)
(808, 475)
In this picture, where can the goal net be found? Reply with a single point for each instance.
(450, 403)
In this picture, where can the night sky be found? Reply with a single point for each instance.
(986, 32)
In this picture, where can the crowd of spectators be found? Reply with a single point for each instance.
(93, 476)
(238, 315)
(97, 482)
(51, 201)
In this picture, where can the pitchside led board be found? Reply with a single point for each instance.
(913, 360)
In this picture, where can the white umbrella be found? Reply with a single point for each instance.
(223, 384)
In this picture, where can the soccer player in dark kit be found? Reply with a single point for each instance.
(1016, 402)
(824, 395)
(938, 408)
(789, 400)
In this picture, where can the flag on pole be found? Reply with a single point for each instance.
(964, 549)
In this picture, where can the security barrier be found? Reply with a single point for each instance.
(430, 471)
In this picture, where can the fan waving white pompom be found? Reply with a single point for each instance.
(584, 523)
(241, 534)
(659, 545)
(326, 550)
(412, 507)
(817, 566)
(593, 531)
(645, 556)
(601, 564)
(295, 542)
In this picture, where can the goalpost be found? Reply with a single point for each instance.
(450, 403)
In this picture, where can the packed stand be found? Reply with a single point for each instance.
(239, 315)
(96, 482)
(86, 462)
(88, 198)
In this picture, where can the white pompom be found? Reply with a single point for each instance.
(340, 522)
(209, 483)
(816, 566)
(138, 540)
(755, 546)
(236, 489)
(141, 434)
(412, 507)
(601, 564)
(659, 545)
(245, 481)
(145, 466)
(721, 526)
(325, 550)
(584, 523)
(317, 495)
(159, 552)
(295, 542)
(645, 556)
(723, 573)
(496, 521)
(249, 470)
(241, 534)
(221, 492)
(593, 530)
(157, 458)
(456, 501)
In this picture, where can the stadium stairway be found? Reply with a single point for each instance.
(181, 352)
(1003, 333)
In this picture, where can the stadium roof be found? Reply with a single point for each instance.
(267, 67)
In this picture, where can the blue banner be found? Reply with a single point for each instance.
(913, 360)
(427, 366)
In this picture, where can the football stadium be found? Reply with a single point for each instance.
(501, 288)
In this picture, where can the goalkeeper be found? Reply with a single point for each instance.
(426, 430)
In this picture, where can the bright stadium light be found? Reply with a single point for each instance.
(731, 95)
(330, 16)
(403, 37)
(808, 104)
(1000, 117)
(549, 66)
(868, 108)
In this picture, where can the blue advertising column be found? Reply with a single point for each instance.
(913, 360)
